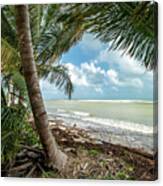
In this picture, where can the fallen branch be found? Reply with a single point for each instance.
(21, 167)
(32, 149)
(31, 171)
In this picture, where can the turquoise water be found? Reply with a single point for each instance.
(130, 111)
(129, 123)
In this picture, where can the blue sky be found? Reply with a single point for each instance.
(98, 73)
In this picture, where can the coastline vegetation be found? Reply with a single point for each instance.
(33, 39)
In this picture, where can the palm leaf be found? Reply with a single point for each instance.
(58, 75)
(130, 26)
(9, 57)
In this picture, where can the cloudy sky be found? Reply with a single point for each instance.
(101, 74)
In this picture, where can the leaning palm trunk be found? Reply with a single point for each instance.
(54, 154)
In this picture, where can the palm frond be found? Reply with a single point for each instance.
(8, 24)
(19, 83)
(56, 37)
(36, 16)
(58, 75)
(10, 59)
(130, 26)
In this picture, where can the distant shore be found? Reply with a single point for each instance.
(108, 100)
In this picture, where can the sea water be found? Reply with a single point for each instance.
(126, 122)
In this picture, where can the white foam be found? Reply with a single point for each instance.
(117, 101)
(61, 110)
(81, 113)
(135, 127)
(85, 118)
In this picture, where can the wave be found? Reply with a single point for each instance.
(81, 113)
(134, 127)
(118, 101)
(85, 119)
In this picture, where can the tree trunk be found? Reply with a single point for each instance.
(54, 154)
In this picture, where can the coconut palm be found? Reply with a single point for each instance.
(43, 50)
(130, 26)
(54, 154)
(127, 26)
(48, 46)
(55, 28)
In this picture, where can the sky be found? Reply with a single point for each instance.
(98, 73)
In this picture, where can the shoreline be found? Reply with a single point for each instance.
(107, 100)
(111, 135)
(111, 159)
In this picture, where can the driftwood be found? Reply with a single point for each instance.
(31, 171)
(26, 162)
(31, 148)
(21, 167)
(74, 137)
(65, 134)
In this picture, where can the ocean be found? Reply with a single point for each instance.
(126, 122)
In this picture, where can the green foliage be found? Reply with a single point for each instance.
(8, 32)
(120, 175)
(49, 42)
(93, 152)
(59, 75)
(54, 38)
(19, 83)
(49, 174)
(35, 13)
(9, 57)
(19, 90)
(30, 136)
(127, 26)
(55, 28)
(12, 121)
(15, 129)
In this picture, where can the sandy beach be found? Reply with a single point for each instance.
(113, 135)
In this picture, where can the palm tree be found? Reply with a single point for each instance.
(13, 75)
(55, 28)
(128, 26)
(10, 52)
(50, 38)
(45, 52)
(54, 154)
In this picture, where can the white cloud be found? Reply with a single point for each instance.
(113, 77)
(90, 67)
(108, 74)
(126, 64)
(77, 76)
(115, 89)
(135, 82)
(125, 82)
(98, 89)
(87, 74)
(91, 75)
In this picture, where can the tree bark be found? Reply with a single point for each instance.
(54, 154)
